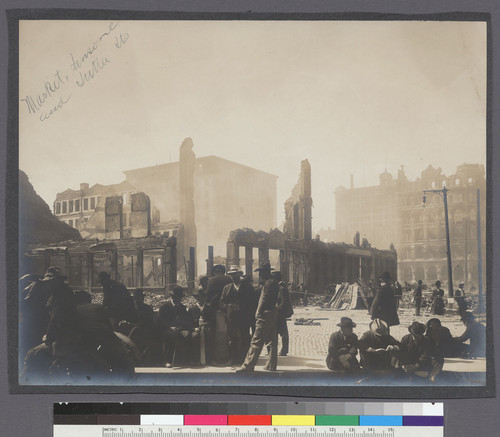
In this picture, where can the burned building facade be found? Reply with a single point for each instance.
(393, 212)
(302, 260)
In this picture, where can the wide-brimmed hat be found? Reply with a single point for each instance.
(234, 270)
(53, 272)
(379, 327)
(177, 291)
(218, 268)
(468, 316)
(264, 266)
(461, 284)
(417, 328)
(346, 322)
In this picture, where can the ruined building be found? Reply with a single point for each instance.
(392, 212)
(301, 259)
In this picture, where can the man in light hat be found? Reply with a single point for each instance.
(177, 326)
(419, 354)
(384, 304)
(460, 299)
(377, 347)
(236, 302)
(343, 348)
(266, 323)
(475, 332)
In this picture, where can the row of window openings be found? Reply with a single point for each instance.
(68, 206)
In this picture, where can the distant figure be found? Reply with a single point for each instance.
(303, 290)
(460, 299)
(398, 293)
(475, 332)
(343, 348)
(117, 301)
(437, 306)
(384, 304)
(266, 323)
(378, 349)
(417, 353)
(417, 297)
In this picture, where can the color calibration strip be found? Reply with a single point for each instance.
(278, 414)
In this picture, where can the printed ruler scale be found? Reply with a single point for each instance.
(250, 420)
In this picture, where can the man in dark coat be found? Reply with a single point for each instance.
(384, 304)
(417, 297)
(266, 323)
(378, 349)
(445, 344)
(343, 348)
(178, 331)
(437, 306)
(216, 284)
(117, 300)
(285, 311)
(236, 301)
(418, 353)
(475, 332)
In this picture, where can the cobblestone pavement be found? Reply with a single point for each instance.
(312, 341)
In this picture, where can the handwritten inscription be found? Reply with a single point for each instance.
(83, 69)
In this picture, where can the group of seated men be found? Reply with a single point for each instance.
(422, 351)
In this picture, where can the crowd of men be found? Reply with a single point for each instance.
(421, 351)
(231, 322)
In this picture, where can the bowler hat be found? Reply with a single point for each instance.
(53, 272)
(379, 327)
(346, 322)
(177, 291)
(417, 328)
(234, 270)
(218, 268)
(264, 266)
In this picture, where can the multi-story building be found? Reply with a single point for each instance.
(394, 212)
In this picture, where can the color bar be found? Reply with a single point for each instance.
(162, 419)
(337, 420)
(205, 419)
(423, 421)
(292, 420)
(380, 420)
(118, 419)
(236, 420)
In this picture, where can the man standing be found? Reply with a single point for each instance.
(460, 299)
(266, 323)
(417, 296)
(437, 306)
(384, 304)
(236, 302)
(285, 311)
(343, 348)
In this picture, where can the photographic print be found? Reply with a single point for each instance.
(247, 205)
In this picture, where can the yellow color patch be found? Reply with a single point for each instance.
(294, 420)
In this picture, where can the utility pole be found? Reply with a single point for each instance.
(444, 194)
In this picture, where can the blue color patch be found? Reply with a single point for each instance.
(380, 420)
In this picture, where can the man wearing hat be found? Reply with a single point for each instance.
(117, 300)
(460, 299)
(475, 332)
(377, 347)
(419, 354)
(236, 302)
(384, 304)
(266, 323)
(216, 284)
(437, 306)
(178, 330)
(343, 348)
(417, 297)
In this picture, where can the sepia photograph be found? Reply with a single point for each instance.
(221, 204)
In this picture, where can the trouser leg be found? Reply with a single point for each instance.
(256, 344)
(272, 339)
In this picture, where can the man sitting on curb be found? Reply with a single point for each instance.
(343, 348)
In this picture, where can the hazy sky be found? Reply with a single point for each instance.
(352, 97)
